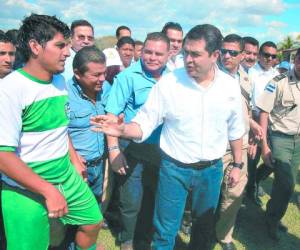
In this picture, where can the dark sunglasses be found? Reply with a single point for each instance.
(267, 55)
(233, 53)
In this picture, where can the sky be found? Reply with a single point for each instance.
(263, 19)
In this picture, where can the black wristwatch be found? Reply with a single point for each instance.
(238, 165)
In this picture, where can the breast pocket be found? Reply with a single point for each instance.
(287, 99)
(141, 95)
(79, 119)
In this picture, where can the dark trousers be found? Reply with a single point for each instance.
(137, 191)
(252, 173)
(286, 152)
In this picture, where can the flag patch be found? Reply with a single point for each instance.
(270, 87)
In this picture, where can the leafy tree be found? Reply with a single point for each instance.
(287, 43)
(105, 42)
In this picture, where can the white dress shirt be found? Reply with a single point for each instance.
(259, 78)
(197, 121)
(175, 62)
(68, 72)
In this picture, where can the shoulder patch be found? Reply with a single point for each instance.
(279, 77)
(270, 87)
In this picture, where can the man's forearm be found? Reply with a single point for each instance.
(236, 149)
(15, 168)
(132, 131)
(263, 122)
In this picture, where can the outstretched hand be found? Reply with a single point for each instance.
(108, 124)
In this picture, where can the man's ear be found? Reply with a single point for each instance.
(77, 74)
(35, 47)
(215, 55)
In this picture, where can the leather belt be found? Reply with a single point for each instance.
(196, 165)
(94, 162)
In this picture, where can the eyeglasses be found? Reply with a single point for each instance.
(232, 53)
(82, 38)
(267, 55)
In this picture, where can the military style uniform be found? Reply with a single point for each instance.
(231, 197)
(281, 99)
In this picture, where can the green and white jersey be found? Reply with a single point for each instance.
(33, 123)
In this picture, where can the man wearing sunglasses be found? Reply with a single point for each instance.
(231, 195)
(260, 74)
(279, 105)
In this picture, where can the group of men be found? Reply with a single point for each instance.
(190, 116)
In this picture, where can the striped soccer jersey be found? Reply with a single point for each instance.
(33, 123)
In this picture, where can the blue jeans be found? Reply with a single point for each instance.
(95, 179)
(137, 192)
(174, 184)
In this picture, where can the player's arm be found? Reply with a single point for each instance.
(15, 168)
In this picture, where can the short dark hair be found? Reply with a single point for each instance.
(41, 28)
(207, 32)
(251, 40)
(80, 22)
(234, 38)
(4, 38)
(172, 26)
(125, 40)
(86, 55)
(13, 35)
(158, 36)
(122, 27)
(138, 42)
(298, 52)
(267, 44)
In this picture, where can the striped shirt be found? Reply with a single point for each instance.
(33, 123)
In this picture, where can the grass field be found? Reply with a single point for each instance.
(250, 232)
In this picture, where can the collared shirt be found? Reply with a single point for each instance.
(129, 92)
(281, 98)
(246, 87)
(197, 122)
(68, 72)
(175, 62)
(34, 124)
(259, 78)
(87, 143)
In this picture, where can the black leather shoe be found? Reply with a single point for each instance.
(282, 228)
(227, 246)
(272, 229)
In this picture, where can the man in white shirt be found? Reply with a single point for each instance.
(260, 74)
(175, 33)
(82, 34)
(200, 108)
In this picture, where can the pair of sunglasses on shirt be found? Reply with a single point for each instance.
(232, 53)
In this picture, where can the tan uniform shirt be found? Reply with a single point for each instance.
(246, 88)
(281, 98)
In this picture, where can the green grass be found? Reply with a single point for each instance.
(250, 231)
